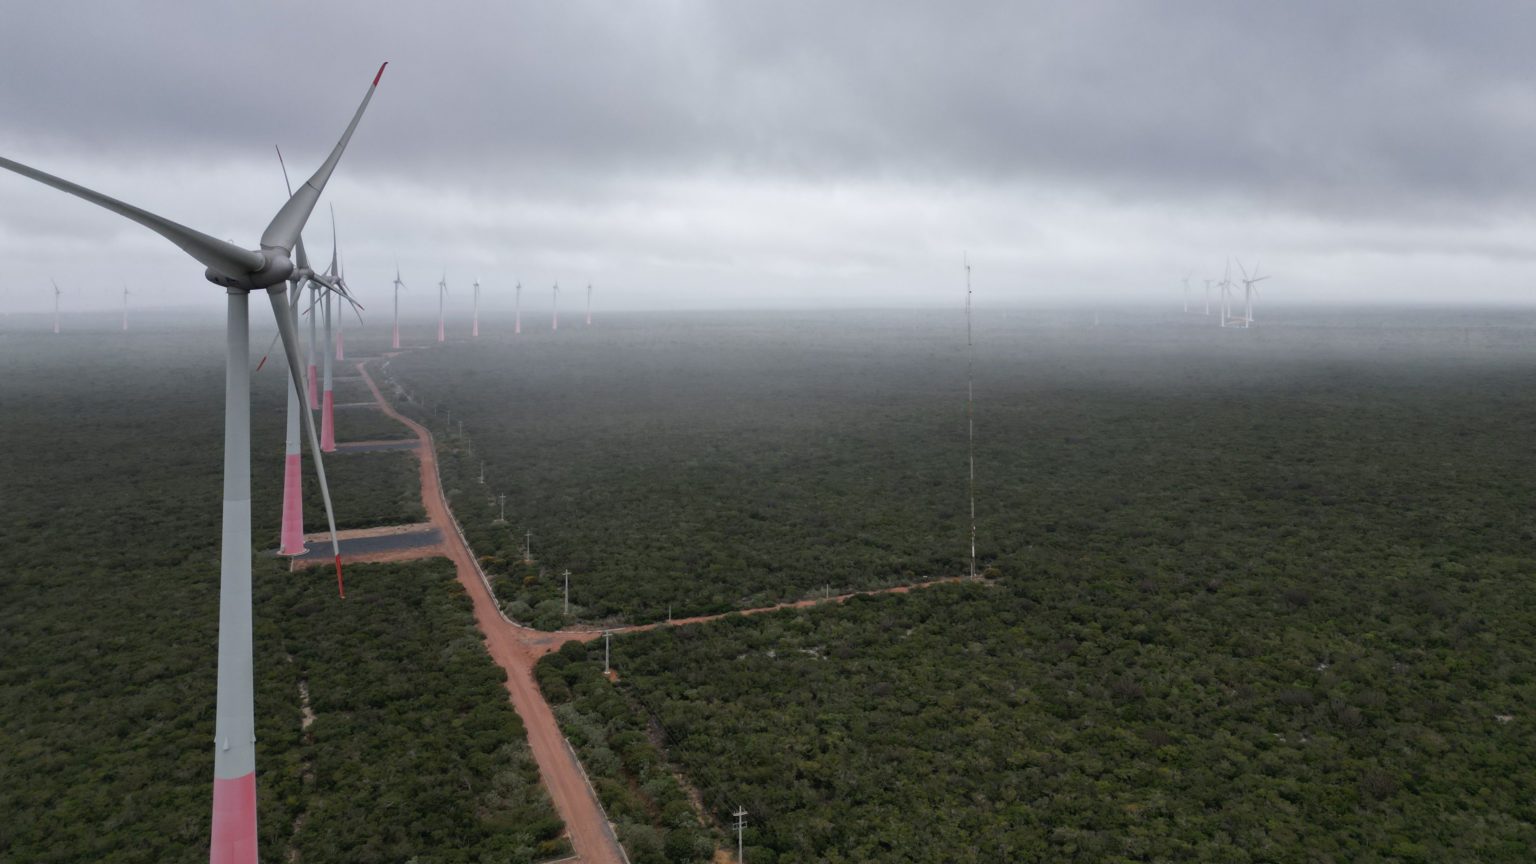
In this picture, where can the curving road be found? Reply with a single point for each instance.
(516, 649)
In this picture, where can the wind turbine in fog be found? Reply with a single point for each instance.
(1207, 297)
(555, 321)
(125, 308)
(338, 271)
(589, 304)
(1186, 293)
(1226, 294)
(327, 392)
(398, 286)
(442, 291)
(56, 293)
(239, 272)
(474, 330)
(1250, 291)
(517, 309)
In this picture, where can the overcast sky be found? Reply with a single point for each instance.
(785, 153)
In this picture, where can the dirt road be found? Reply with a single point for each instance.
(591, 835)
(516, 649)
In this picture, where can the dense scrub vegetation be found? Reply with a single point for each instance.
(367, 489)
(1262, 595)
(108, 615)
(649, 807)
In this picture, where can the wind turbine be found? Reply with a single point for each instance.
(442, 290)
(517, 310)
(398, 286)
(555, 322)
(589, 304)
(1186, 293)
(336, 269)
(125, 308)
(314, 322)
(1226, 293)
(327, 395)
(56, 293)
(1250, 291)
(1207, 297)
(240, 272)
(475, 330)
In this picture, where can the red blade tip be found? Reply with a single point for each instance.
(262, 363)
(341, 587)
(381, 73)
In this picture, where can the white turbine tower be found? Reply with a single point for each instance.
(517, 309)
(125, 308)
(398, 286)
(1207, 297)
(240, 272)
(1226, 294)
(589, 304)
(314, 323)
(970, 410)
(341, 353)
(56, 293)
(555, 321)
(442, 291)
(1250, 291)
(474, 330)
(327, 393)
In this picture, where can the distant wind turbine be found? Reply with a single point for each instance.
(517, 309)
(398, 285)
(239, 271)
(589, 304)
(555, 322)
(125, 308)
(442, 291)
(56, 293)
(474, 331)
(1250, 291)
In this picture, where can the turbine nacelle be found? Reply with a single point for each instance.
(276, 269)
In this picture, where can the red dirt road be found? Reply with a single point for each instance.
(516, 649)
(588, 829)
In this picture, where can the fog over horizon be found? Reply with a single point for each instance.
(787, 155)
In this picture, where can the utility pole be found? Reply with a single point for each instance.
(461, 428)
(567, 592)
(740, 826)
(502, 501)
(482, 473)
(528, 548)
(607, 636)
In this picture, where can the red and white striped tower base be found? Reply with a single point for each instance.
(293, 478)
(234, 746)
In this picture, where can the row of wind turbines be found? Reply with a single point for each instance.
(474, 331)
(1226, 294)
(59, 292)
(278, 268)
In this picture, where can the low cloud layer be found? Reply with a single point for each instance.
(792, 153)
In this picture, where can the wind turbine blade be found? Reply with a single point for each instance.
(268, 352)
(1243, 269)
(289, 221)
(226, 258)
(281, 311)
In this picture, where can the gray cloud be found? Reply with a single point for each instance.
(681, 145)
